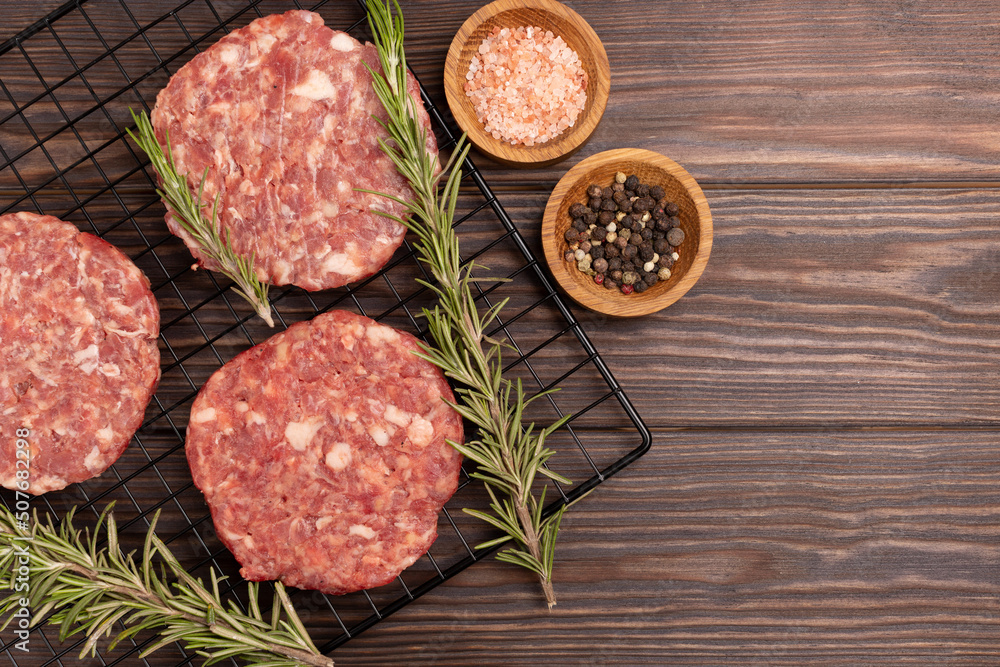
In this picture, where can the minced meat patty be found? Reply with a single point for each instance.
(280, 113)
(78, 354)
(322, 454)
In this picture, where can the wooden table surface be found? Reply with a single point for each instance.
(824, 481)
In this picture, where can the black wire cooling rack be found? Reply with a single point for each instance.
(66, 85)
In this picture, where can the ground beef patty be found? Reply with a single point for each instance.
(280, 112)
(322, 454)
(78, 355)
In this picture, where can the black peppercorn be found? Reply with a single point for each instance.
(648, 229)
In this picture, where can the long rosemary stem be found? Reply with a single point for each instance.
(508, 454)
(85, 588)
(534, 546)
(189, 211)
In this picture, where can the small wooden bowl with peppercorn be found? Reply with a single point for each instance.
(562, 22)
(627, 232)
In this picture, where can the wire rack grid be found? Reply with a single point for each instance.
(66, 85)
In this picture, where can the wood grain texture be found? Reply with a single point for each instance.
(735, 549)
(767, 92)
(548, 15)
(822, 486)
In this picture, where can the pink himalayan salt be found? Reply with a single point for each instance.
(526, 84)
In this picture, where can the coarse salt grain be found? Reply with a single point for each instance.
(526, 84)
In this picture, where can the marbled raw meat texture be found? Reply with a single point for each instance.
(280, 113)
(78, 354)
(322, 454)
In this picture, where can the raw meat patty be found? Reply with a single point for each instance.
(322, 454)
(78, 355)
(280, 112)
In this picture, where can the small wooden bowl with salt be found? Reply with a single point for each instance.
(563, 23)
(652, 169)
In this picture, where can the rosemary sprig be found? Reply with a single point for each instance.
(188, 208)
(509, 455)
(89, 589)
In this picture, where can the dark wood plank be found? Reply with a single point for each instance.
(768, 92)
(875, 308)
(766, 548)
(20, 15)
(743, 93)
(859, 307)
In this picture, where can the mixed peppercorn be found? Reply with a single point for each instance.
(626, 236)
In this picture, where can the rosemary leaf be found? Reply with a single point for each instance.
(509, 455)
(87, 589)
(188, 208)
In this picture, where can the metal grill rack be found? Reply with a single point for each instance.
(66, 84)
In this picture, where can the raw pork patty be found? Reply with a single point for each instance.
(280, 112)
(322, 454)
(78, 355)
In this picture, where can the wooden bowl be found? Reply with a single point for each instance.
(652, 169)
(548, 15)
